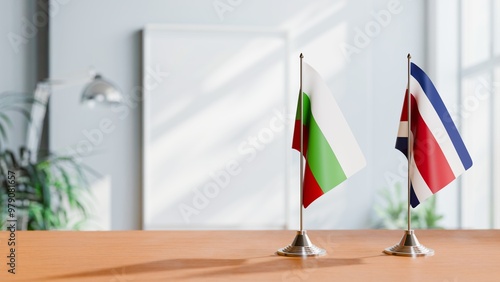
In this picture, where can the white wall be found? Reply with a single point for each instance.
(18, 56)
(369, 87)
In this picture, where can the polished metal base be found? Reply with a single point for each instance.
(301, 247)
(409, 247)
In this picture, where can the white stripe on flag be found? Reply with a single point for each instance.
(332, 123)
(403, 129)
(422, 191)
(431, 118)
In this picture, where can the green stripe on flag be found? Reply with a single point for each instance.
(307, 109)
(321, 159)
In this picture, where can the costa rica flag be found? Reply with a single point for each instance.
(439, 154)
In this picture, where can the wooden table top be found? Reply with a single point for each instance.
(353, 255)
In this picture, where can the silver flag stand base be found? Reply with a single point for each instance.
(409, 247)
(301, 247)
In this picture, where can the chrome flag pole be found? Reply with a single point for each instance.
(301, 245)
(409, 245)
(301, 207)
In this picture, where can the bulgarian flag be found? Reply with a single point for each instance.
(330, 149)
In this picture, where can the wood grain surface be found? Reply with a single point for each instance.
(353, 255)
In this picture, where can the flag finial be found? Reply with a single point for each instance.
(301, 56)
(409, 56)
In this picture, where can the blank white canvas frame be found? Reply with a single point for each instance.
(214, 152)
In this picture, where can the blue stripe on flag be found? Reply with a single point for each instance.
(402, 145)
(436, 101)
(413, 198)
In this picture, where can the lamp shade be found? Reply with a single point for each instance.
(101, 90)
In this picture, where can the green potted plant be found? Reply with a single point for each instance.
(392, 213)
(49, 193)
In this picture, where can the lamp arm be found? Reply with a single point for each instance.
(97, 88)
(38, 111)
(42, 94)
(57, 82)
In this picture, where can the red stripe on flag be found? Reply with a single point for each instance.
(404, 113)
(296, 137)
(429, 158)
(312, 191)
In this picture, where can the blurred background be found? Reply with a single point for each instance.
(201, 138)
